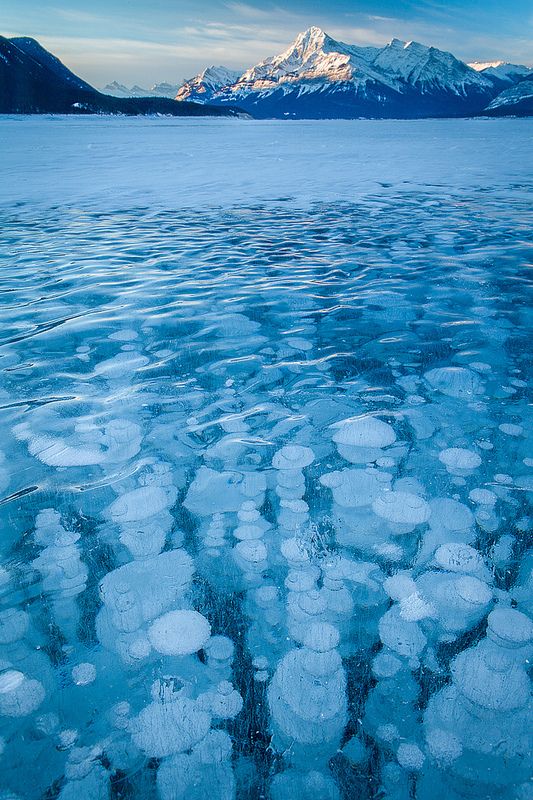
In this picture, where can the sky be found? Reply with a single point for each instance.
(147, 41)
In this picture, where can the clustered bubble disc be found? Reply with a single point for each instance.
(365, 431)
(293, 457)
(458, 458)
(179, 633)
(402, 508)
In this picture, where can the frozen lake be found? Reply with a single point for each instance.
(172, 163)
(265, 459)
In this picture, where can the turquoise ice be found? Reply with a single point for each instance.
(265, 471)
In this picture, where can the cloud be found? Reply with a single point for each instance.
(241, 34)
(249, 12)
(78, 16)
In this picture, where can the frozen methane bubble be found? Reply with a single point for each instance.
(179, 633)
(402, 508)
(458, 557)
(19, 695)
(459, 461)
(460, 601)
(84, 674)
(135, 594)
(124, 335)
(365, 431)
(169, 725)
(402, 637)
(213, 492)
(138, 504)
(204, 773)
(307, 697)
(321, 637)
(450, 515)
(354, 488)
(456, 382)
(510, 429)
(362, 439)
(118, 441)
(443, 746)
(157, 582)
(483, 497)
(293, 456)
(509, 628)
(64, 575)
(451, 521)
(487, 710)
(410, 757)
(224, 703)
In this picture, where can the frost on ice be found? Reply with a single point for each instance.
(265, 524)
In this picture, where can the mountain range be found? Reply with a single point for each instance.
(34, 81)
(317, 77)
(164, 89)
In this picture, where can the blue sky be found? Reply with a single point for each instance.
(145, 41)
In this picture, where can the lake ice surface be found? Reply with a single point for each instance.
(265, 459)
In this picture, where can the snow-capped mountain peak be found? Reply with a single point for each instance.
(315, 60)
(317, 75)
(202, 86)
(163, 89)
(116, 89)
(480, 66)
(417, 64)
(312, 56)
(501, 70)
(309, 41)
(517, 99)
(218, 76)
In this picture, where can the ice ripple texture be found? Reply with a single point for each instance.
(264, 481)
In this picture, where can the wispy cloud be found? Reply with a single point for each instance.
(246, 11)
(143, 49)
(73, 15)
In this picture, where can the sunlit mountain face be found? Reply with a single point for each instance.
(317, 77)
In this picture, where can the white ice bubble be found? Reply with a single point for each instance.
(483, 497)
(364, 432)
(510, 429)
(299, 344)
(502, 477)
(126, 335)
(443, 746)
(169, 726)
(353, 488)
(321, 637)
(410, 757)
(403, 637)
(457, 382)
(399, 586)
(402, 507)
(84, 674)
(459, 557)
(19, 695)
(458, 460)
(179, 633)
(450, 514)
(509, 627)
(293, 457)
(139, 504)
